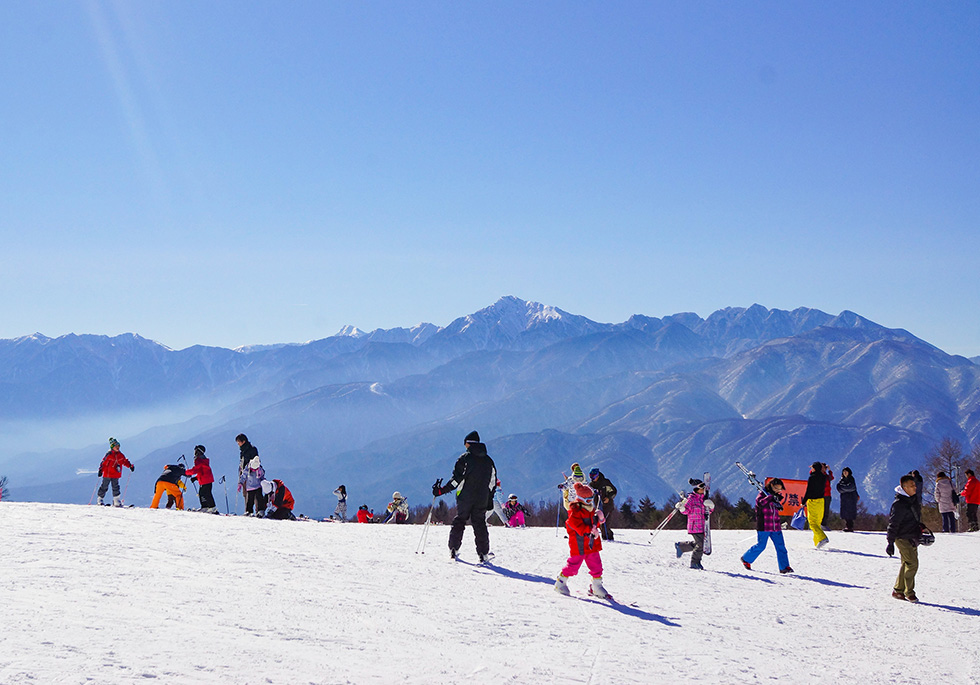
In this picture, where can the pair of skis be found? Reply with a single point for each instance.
(756, 482)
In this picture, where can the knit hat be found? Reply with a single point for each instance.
(396, 495)
(696, 483)
(581, 494)
(198, 450)
(577, 472)
(113, 443)
(593, 474)
(472, 436)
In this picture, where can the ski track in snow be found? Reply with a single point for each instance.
(102, 595)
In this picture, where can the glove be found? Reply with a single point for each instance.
(680, 505)
(132, 469)
(437, 488)
(239, 487)
(709, 506)
(890, 549)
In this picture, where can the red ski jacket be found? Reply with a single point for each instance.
(201, 470)
(281, 496)
(971, 492)
(580, 525)
(112, 463)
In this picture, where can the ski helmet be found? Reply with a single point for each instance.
(512, 496)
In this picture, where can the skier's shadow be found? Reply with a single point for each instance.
(959, 610)
(825, 581)
(743, 576)
(859, 554)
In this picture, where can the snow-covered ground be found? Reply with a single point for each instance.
(100, 595)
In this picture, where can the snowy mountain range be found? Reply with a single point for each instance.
(651, 401)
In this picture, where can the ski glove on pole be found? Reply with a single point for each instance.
(132, 469)
(437, 488)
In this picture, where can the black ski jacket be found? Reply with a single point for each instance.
(605, 488)
(474, 478)
(816, 485)
(248, 451)
(904, 519)
(172, 473)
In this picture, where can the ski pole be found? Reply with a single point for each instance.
(90, 499)
(425, 528)
(227, 508)
(662, 525)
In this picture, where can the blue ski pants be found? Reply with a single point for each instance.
(782, 558)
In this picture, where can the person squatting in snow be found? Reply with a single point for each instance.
(905, 531)
(201, 473)
(474, 479)
(584, 541)
(251, 480)
(514, 512)
(279, 499)
(110, 471)
(397, 508)
(767, 508)
(169, 482)
(696, 508)
(364, 515)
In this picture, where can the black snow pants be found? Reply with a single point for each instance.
(477, 516)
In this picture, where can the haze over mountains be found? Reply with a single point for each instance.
(651, 401)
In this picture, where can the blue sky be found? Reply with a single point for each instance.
(232, 173)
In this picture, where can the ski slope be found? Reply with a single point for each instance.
(100, 595)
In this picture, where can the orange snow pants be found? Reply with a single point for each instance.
(169, 488)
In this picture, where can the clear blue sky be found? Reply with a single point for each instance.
(232, 173)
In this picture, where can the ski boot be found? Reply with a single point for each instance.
(117, 501)
(453, 553)
(101, 502)
(697, 565)
(596, 590)
(561, 585)
(485, 558)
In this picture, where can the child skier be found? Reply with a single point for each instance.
(696, 508)
(251, 481)
(514, 511)
(584, 541)
(201, 472)
(110, 470)
(364, 515)
(280, 499)
(398, 508)
(568, 486)
(767, 508)
(169, 482)
(340, 513)
(904, 530)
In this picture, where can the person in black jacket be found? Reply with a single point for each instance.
(474, 479)
(904, 531)
(813, 500)
(849, 497)
(247, 450)
(606, 493)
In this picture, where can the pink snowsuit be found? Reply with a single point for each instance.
(694, 510)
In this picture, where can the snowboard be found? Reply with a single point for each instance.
(707, 516)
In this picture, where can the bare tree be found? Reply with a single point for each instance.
(946, 457)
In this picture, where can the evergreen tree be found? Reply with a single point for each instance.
(629, 516)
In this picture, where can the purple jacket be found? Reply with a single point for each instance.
(766, 513)
(694, 511)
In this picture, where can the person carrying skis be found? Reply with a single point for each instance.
(904, 530)
(280, 499)
(201, 472)
(971, 495)
(474, 479)
(696, 508)
(169, 482)
(364, 515)
(813, 500)
(768, 504)
(605, 492)
(340, 513)
(515, 512)
(397, 508)
(110, 470)
(584, 541)
(251, 481)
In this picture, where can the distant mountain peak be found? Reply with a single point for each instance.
(349, 331)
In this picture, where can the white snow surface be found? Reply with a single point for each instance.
(100, 595)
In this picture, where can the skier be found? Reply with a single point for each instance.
(605, 492)
(904, 530)
(340, 513)
(767, 508)
(515, 512)
(566, 487)
(201, 472)
(248, 452)
(280, 499)
(971, 494)
(397, 508)
(584, 541)
(474, 479)
(696, 508)
(110, 470)
(169, 482)
(364, 515)
(848, 498)
(944, 500)
(251, 481)
(813, 501)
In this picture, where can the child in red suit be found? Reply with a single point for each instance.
(110, 470)
(584, 541)
(201, 472)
